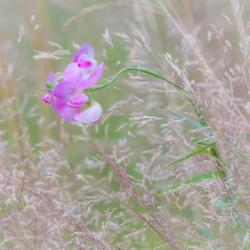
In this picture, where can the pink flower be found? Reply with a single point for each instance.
(51, 77)
(83, 68)
(67, 96)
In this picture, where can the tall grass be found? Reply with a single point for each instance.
(168, 165)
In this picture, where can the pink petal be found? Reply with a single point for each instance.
(66, 112)
(78, 100)
(90, 115)
(74, 73)
(86, 50)
(94, 77)
(51, 77)
(47, 98)
(66, 88)
(86, 63)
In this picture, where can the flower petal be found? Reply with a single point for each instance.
(74, 73)
(94, 77)
(66, 112)
(90, 115)
(66, 88)
(47, 98)
(51, 77)
(86, 63)
(86, 50)
(78, 101)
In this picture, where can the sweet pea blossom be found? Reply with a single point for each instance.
(67, 96)
(83, 68)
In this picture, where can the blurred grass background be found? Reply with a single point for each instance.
(44, 158)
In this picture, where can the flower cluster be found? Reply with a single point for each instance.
(67, 96)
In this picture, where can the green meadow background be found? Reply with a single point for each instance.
(59, 190)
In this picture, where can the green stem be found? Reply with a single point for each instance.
(238, 223)
(145, 71)
(158, 76)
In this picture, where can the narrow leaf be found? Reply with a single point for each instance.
(192, 154)
(193, 123)
(197, 179)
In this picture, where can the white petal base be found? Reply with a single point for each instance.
(90, 115)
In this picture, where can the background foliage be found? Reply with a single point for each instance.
(146, 177)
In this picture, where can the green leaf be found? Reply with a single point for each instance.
(192, 154)
(193, 123)
(197, 179)
(187, 120)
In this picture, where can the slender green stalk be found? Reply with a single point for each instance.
(238, 223)
(158, 76)
(145, 71)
